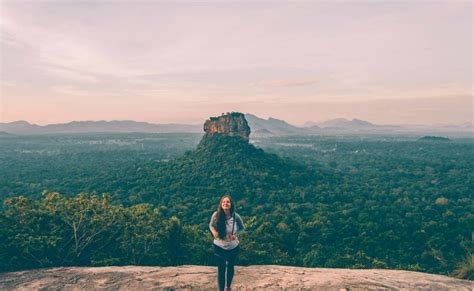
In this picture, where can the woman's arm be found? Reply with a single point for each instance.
(240, 224)
(211, 226)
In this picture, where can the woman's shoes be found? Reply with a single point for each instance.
(227, 288)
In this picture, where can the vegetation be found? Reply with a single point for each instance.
(306, 201)
(465, 269)
(228, 114)
(87, 230)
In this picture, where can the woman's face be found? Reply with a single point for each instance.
(225, 203)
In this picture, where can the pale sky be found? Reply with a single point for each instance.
(388, 62)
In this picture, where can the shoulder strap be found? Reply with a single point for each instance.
(233, 222)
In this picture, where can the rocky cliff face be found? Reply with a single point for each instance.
(246, 278)
(230, 124)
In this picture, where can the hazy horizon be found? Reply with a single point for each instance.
(265, 118)
(182, 62)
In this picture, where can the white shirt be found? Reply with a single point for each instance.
(226, 243)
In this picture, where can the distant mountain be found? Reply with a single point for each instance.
(272, 125)
(345, 123)
(467, 125)
(310, 124)
(20, 127)
(260, 127)
(24, 127)
(263, 131)
(462, 130)
(340, 126)
(434, 138)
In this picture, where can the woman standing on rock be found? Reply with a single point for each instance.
(225, 226)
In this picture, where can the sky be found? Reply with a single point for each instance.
(388, 62)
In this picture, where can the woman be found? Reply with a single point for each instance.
(225, 226)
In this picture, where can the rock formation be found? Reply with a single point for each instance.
(230, 124)
(246, 278)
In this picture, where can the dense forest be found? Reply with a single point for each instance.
(315, 201)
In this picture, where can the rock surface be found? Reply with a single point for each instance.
(246, 278)
(230, 124)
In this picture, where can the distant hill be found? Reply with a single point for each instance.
(345, 123)
(260, 127)
(263, 131)
(434, 138)
(24, 127)
(275, 126)
(358, 126)
(20, 127)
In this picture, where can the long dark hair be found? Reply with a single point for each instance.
(220, 216)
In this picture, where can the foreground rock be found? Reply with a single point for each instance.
(246, 278)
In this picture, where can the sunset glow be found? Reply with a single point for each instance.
(181, 62)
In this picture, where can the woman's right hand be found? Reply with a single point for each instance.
(215, 233)
(231, 237)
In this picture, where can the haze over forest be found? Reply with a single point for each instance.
(381, 202)
(181, 62)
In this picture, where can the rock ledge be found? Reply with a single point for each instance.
(246, 278)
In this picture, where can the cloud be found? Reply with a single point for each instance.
(69, 90)
(7, 83)
(7, 39)
(72, 75)
(157, 53)
(284, 83)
